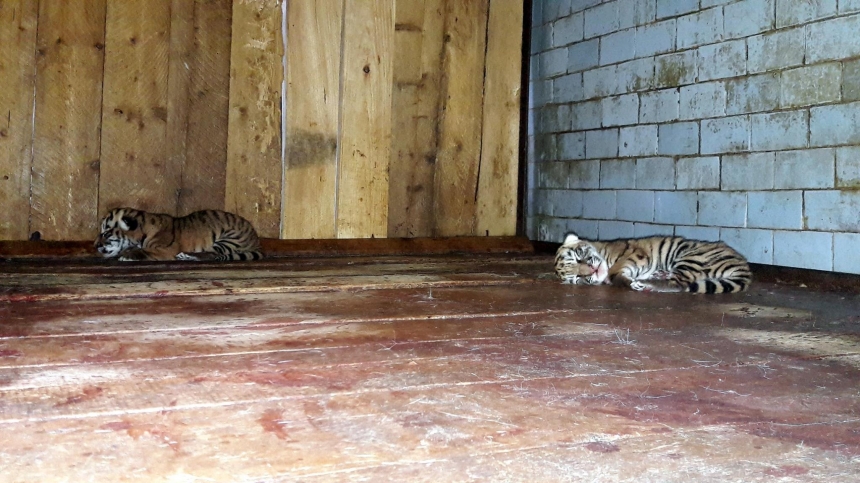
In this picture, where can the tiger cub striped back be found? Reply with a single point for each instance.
(130, 234)
(660, 263)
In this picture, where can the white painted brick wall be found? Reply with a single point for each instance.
(752, 94)
(675, 207)
(755, 245)
(632, 13)
(792, 12)
(748, 17)
(678, 138)
(618, 47)
(599, 204)
(621, 110)
(657, 38)
(601, 20)
(721, 208)
(725, 135)
(648, 229)
(848, 167)
(637, 141)
(725, 59)
(618, 174)
(745, 172)
(806, 169)
(806, 86)
(659, 106)
(779, 130)
(702, 173)
(610, 230)
(803, 249)
(635, 205)
(602, 143)
(655, 173)
(834, 125)
(776, 50)
(700, 28)
(832, 210)
(703, 233)
(568, 30)
(703, 100)
(845, 257)
(775, 209)
(584, 174)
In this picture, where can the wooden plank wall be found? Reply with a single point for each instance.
(384, 118)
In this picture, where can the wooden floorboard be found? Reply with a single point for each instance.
(417, 369)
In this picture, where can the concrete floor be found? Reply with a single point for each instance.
(472, 368)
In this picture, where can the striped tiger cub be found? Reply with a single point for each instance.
(132, 235)
(654, 264)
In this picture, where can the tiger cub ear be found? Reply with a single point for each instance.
(128, 223)
(571, 239)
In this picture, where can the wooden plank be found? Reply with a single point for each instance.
(313, 105)
(415, 109)
(135, 168)
(65, 182)
(497, 179)
(365, 150)
(254, 168)
(204, 174)
(17, 65)
(459, 143)
(178, 86)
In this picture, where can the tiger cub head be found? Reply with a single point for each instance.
(578, 262)
(120, 230)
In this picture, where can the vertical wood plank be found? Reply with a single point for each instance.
(254, 173)
(204, 173)
(179, 85)
(135, 168)
(17, 64)
(69, 68)
(456, 180)
(415, 110)
(362, 201)
(313, 102)
(497, 180)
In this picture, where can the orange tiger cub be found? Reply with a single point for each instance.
(131, 235)
(658, 264)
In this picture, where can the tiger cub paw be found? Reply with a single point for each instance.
(640, 286)
(186, 257)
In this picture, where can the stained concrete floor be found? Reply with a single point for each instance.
(471, 368)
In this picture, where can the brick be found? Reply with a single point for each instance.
(700, 28)
(636, 75)
(601, 144)
(539, 203)
(601, 20)
(748, 17)
(671, 8)
(678, 138)
(634, 205)
(657, 38)
(547, 120)
(545, 147)
(752, 94)
(675, 207)
(598, 204)
(583, 55)
(655, 173)
(555, 9)
(851, 80)
(613, 230)
(803, 249)
(832, 210)
(552, 229)
(618, 47)
(618, 173)
(567, 88)
(637, 141)
(816, 84)
(776, 50)
(563, 120)
(793, 12)
(553, 62)
(747, 172)
(586, 115)
(718, 208)
(642, 230)
(725, 135)
(703, 100)
(659, 106)
(714, 3)
(833, 39)
(848, 167)
(580, 5)
(806, 169)
(567, 30)
(726, 59)
(571, 146)
(775, 209)
(845, 257)
(537, 13)
(566, 203)
(703, 233)
(755, 245)
(834, 125)
(552, 175)
(848, 6)
(600, 82)
(779, 130)
(672, 70)
(620, 110)
(697, 173)
(584, 174)
(632, 13)
(585, 229)
(541, 92)
(541, 39)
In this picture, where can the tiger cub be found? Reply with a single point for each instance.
(131, 234)
(658, 264)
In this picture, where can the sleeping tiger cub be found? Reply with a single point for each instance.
(658, 264)
(131, 234)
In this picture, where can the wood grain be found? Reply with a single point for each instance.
(313, 104)
(497, 180)
(17, 64)
(69, 69)
(135, 168)
(418, 40)
(362, 201)
(179, 84)
(254, 168)
(459, 155)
